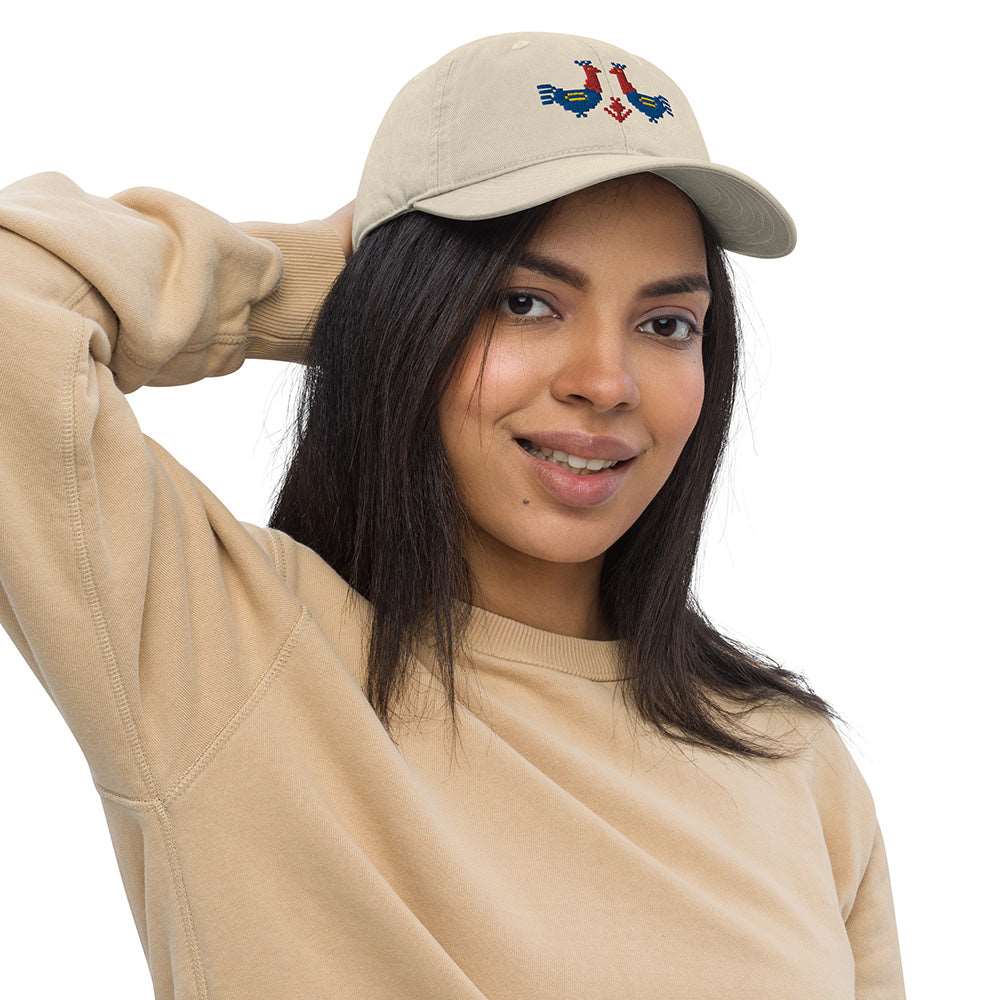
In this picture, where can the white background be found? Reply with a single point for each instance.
(853, 537)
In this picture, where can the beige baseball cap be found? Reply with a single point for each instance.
(510, 121)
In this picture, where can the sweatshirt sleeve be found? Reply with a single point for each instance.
(871, 928)
(860, 869)
(144, 608)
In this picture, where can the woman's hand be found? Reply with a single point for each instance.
(343, 219)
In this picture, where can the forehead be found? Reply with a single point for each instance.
(642, 210)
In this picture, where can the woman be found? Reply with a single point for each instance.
(262, 708)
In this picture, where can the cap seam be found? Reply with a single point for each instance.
(438, 106)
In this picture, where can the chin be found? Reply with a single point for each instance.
(572, 547)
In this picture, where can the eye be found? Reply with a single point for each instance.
(522, 301)
(664, 326)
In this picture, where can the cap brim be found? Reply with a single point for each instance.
(747, 217)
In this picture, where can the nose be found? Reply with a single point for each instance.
(599, 367)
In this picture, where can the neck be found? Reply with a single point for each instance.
(555, 597)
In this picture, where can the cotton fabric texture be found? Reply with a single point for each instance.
(273, 842)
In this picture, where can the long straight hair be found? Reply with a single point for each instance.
(369, 488)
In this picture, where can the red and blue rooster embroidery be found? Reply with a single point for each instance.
(587, 97)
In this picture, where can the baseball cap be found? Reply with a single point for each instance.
(509, 121)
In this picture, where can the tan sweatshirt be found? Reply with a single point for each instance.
(273, 842)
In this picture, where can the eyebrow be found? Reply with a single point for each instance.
(561, 271)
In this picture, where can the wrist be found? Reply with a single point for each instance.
(312, 255)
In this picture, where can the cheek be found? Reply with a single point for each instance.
(468, 414)
(671, 419)
(694, 397)
(487, 470)
(679, 400)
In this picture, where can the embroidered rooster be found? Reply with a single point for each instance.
(579, 101)
(651, 107)
(587, 97)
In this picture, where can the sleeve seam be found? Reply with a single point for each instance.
(152, 366)
(85, 568)
(259, 693)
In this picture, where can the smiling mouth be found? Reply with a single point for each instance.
(546, 456)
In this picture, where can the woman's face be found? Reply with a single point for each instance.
(601, 355)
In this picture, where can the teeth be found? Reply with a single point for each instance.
(582, 466)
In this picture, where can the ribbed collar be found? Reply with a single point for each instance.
(512, 640)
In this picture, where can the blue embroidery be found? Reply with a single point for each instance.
(587, 97)
(578, 101)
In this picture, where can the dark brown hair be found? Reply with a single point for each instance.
(369, 488)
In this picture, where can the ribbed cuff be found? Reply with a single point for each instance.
(312, 256)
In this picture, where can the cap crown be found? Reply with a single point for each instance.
(509, 100)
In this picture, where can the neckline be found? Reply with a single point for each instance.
(495, 635)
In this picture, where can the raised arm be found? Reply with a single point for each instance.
(144, 607)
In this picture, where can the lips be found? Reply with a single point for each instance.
(573, 489)
(602, 446)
